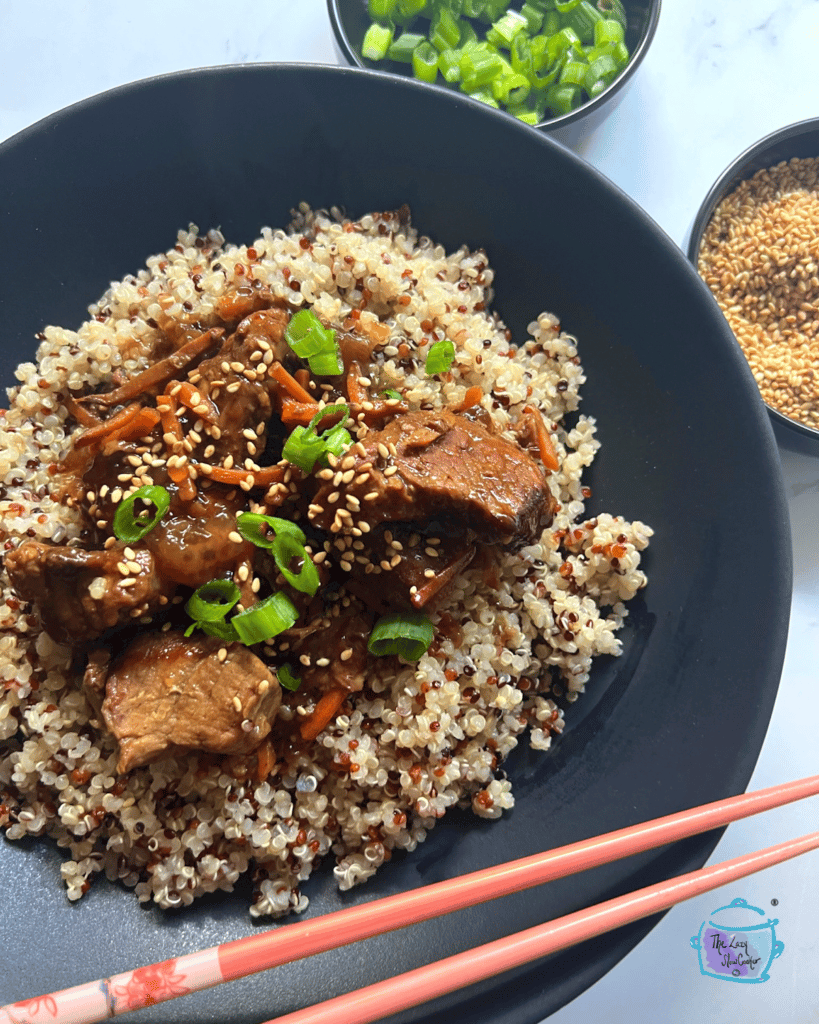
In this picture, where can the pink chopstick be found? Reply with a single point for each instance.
(99, 1000)
(426, 983)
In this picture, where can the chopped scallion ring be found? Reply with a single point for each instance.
(407, 634)
(305, 447)
(212, 601)
(287, 678)
(315, 343)
(440, 357)
(130, 526)
(286, 548)
(249, 525)
(266, 619)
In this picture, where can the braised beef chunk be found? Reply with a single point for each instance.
(167, 694)
(80, 594)
(343, 643)
(443, 464)
(243, 399)
(418, 563)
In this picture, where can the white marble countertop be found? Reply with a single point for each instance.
(718, 77)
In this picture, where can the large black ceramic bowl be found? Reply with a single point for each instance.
(678, 720)
(795, 140)
(350, 19)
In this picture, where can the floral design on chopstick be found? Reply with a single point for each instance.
(31, 1007)
(149, 985)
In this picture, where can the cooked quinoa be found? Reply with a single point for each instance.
(514, 642)
(760, 258)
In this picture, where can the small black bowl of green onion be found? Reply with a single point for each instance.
(549, 63)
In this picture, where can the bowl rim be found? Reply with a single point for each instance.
(741, 169)
(554, 123)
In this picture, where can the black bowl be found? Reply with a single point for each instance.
(678, 720)
(795, 140)
(349, 19)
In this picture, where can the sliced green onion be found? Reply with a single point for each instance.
(315, 343)
(425, 62)
(479, 67)
(407, 634)
(583, 19)
(409, 8)
(376, 42)
(131, 527)
(212, 601)
(287, 678)
(481, 43)
(403, 47)
(533, 14)
(222, 629)
(504, 30)
(574, 72)
(266, 619)
(305, 447)
(249, 525)
(440, 357)
(607, 30)
(602, 68)
(449, 65)
(381, 9)
(445, 31)
(285, 549)
(392, 393)
(336, 441)
(561, 99)
(613, 9)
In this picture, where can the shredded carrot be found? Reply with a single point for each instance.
(472, 397)
(80, 414)
(108, 427)
(140, 426)
(265, 760)
(170, 423)
(290, 384)
(193, 398)
(355, 393)
(441, 579)
(544, 442)
(297, 412)
(325, 711)
(235, 477)
(172, 436)
(160, 372)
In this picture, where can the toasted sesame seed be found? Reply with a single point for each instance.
(346, 654)
(221, 654)
(429, 573)
(383, 450)
(323, 662)
(235, 537)
(237, 703)
(390, 470)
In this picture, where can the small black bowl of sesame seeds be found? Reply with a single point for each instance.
(755, 243)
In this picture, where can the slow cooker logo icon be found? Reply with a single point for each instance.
(738, 943)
